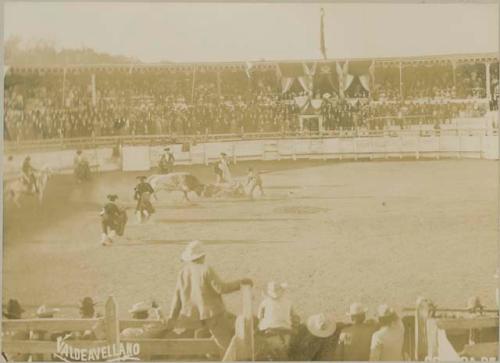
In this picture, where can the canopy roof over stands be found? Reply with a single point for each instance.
(253, 66)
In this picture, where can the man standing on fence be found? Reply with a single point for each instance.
(198, 295)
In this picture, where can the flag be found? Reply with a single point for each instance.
(322, 34)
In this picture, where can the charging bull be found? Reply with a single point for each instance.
(180, 181)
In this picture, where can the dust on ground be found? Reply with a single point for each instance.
(337, 232)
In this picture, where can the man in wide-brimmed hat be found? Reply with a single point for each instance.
(387, 342)
(276, 317)
(13, 310)
(87, 308)
(316, 340)
(81, 166)
(198, 295)
(355, 340)
(142, 193)
(166, 163)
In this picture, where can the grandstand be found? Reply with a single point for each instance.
(44, 102)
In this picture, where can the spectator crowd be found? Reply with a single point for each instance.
(148, 102)
(280, 334)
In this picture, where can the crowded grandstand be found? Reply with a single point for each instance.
(193, 99)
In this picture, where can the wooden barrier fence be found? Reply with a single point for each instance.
(430, 346)
(107, 334)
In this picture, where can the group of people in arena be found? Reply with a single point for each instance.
(114, 216)
(280, 333)
(148, 103)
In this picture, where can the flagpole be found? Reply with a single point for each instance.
(192, 87)
(322, 34)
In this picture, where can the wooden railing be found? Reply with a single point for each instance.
(427, 316)
(110, 336)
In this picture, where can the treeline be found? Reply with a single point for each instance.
(44, 52)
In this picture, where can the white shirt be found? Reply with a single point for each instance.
(275, 313)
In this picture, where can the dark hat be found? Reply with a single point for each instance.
(87, 306)
(13, 309)
(166, 149)
(141, 177)
(112, 196)
(79, 151)
(87, 302)
(223, 154)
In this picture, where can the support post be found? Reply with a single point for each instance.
(111, 323)
(400, 80)
(488, 81)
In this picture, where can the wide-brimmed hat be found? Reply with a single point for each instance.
(139, 307)
(13, 309)
(385, 311)
(275, 290)
(44, 312)
(223, 154)
(79, 151)
(141, 177)
(321, 325)
(112, 197)
(193, 251)
(356, 309)
(166, 149)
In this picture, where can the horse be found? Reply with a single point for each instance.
(82, 171)
(18, 187)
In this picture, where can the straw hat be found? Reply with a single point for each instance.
(275, 290)
(321, 326)
(139, 307)
(44, 312)
(356, 309)
(193, 251)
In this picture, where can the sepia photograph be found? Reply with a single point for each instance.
(250, 181)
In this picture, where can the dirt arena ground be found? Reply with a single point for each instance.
(337, 232)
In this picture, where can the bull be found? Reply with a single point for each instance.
(179, 181)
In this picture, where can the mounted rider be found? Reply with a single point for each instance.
(81, 166)
(142, 193)
(167, 160)
(29, 175)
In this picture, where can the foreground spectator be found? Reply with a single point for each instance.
(198, 295)
(316, 340)
(387, 342)
(87, 310)
(355, 340)
(275, 316)
(13, 310)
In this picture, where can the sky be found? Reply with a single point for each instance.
(217, 32)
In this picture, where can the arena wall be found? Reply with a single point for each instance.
(464, 144)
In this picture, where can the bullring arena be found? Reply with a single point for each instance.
(377, 195)
(335, 230)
